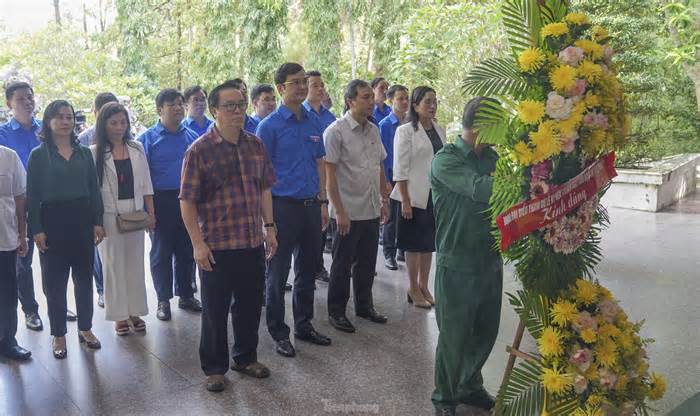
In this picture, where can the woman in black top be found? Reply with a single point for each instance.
(65, 210)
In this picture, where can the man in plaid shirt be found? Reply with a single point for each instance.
(226, 205)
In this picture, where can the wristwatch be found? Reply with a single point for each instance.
(323, 201)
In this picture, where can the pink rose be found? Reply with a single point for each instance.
(578, 89)
(589, 119)
(572, 55)
(558, 107)
(581, 359)
(542, 170)
(607, 378)
(601, 121)
(608, 53)
(609, 309)
(568, 143)
(580, 384)
(584, 320)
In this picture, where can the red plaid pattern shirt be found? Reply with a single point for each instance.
(226, 181)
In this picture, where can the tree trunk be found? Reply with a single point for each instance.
(57, 11)
(179, 52)
(353, 52)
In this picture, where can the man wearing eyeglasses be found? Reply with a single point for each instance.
(229, 167)
(165, 144)
(293, 139)
(196, 102)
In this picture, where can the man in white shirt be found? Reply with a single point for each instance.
(13, 242)
(357, 190)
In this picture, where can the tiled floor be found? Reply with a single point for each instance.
(652, 265)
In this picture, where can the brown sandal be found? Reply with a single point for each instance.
(138, 324)
(255, 369)
(122, 328)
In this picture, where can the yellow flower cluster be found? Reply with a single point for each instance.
(563, 78)
(658, 387)
(530, 111)
(599, 33)
(531, 59)
(590, 71)
(577, 19)
(556, 381)
(591, 48)
(550, 343)
(554, 29)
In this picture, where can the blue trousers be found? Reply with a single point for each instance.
(170, 241)
(298, 226)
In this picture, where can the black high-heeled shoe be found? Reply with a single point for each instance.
(95, 345)
(59, 354)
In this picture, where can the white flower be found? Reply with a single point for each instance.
(558, 107)
(580, 384)
(572, 55)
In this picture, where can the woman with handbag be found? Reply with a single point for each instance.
(65, 213)
(123, 174)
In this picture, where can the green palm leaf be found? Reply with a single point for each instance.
(532, 309)
(495, 77)
(562, 405)
(492, 120)
(522, 394)
(522, 23)
(553, 11)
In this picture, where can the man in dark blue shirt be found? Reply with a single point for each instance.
(196, 102)
(264, 102)
(293, 139)
(165, 145)
(381, 110)
(398, 97)
(249, 125)
(20, 135)
(317, 92)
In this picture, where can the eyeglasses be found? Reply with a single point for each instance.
(231, 107)
(299, 82)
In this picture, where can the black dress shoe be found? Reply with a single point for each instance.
(33, 321)
(216, 383)
(100, 300)
(190, 304)
(287, 287)
(481, 399)
(373, 316)
(400, 256)
(323, 276)
(313, 337)
(16, 353)
(163, 311)
(390, 263)
(341, 323)
(71, 316)
(94, 345)
(285, 348)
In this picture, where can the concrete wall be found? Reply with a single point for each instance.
(661, 184)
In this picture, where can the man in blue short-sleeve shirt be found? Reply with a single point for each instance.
(293, 138)
(196, 103)
(381, 110)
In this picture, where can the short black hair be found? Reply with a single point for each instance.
(285, 70)
(352, 90)
(168, 95)
(103, 98)
(213, 99)
(314, 73)
(259, 90)
(471, 108)
(190, 91)
(376, 81)
(394, 89)
(14, 86)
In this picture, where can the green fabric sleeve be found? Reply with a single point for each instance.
(450, 171)
(35, 187)
(94, 189)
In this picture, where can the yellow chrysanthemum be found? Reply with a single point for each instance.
(599, 33)
(546, 140)
(577, 18)
(523, 154)
(555, 381)
(590, 48)
(589, 335)
(625, 340)
(563, 312)
(531, 59)
(591, 100)
(622, 382)
(590, 71)
(608, 330)
(530, 111)
(562, 77)
(658, 387)
(569, 126)
(585, 292)
(594, 400)
(550, 343)
(606, 353)
(554, 29)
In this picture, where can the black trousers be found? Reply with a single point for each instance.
(69, 232)
(8, 299)
(354, 255)
(298, 227)
(170, 241)
(237, 275)
(389, 235)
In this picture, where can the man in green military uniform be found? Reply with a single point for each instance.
(469, 270)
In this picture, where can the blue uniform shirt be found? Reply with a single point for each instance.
(380, 115)
(324, 116)
(19, 139)
(387, 130)
(250, 125)
(191, 124)
(165, 152)
(294, 147)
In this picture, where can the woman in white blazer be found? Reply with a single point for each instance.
(415, 144)
(125, 180)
